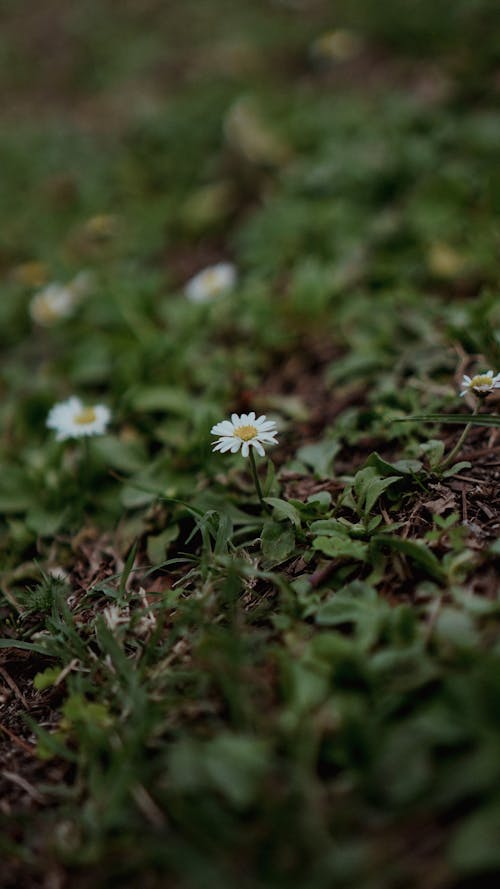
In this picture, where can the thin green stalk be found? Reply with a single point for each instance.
(253, 467)
(85, 465)
(458, 447)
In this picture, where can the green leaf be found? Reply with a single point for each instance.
(125, 456)
(340, 546)
(402, 467)
(278, 542)
(284, 510)
(44, 523)
(235, 765)
(368, 487)
(464, 464)
(357, 604)
(462, 419)
(320, 456)
(415, 550)
(475, 846)
(161, 399)
(433, 450)
(25, 646)
(322, 498)
(77, 709)
(16, 495)
(456, 627)
(159, 543)
(231, 764)
(47, 678)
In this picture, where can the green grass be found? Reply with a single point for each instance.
(218, 694)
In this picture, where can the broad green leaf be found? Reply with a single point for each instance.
(47, 678)
(456, 627)
(125, 456)
(415, 550)
(284, 510)
(369, 486)
(401, 467)
(278, 542)
(322, 498)
(159, 543)
(475, 847)
(320, 456)
(339, 546)
(235, 765)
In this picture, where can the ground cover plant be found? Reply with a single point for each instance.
(249, 527)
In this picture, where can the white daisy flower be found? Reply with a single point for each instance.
(71, 419)
(211, 282)
(243, 431)
(480, 384)
(53, 303)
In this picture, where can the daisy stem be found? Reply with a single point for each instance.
(85, 463)
(458, 447)
(255, 475)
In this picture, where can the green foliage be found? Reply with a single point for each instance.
(304, 694)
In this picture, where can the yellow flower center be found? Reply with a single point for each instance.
(47, 310)
(246, 432)
(481, 380)
(212, 282)
(86, 416)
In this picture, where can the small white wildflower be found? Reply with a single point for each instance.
(71, 419)
(243, 431)
(211, 282)
(53, 303)
(480, 384)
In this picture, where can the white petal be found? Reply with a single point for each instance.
(258, 447)
(103, 414)
(236, 445)
(251, 416)
(235, 420)
(245, 448)
(225, 427)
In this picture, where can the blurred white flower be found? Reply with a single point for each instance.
(56, 302)
(242, 432)
(71, 419)
(480, 384)
(211, 282)
(53, 303)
